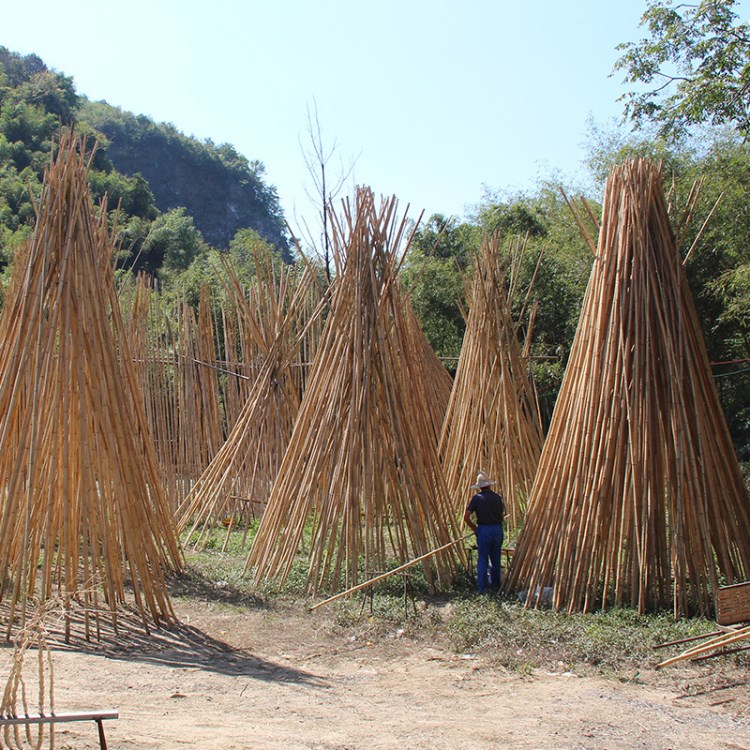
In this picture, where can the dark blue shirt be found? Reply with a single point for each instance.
(488, 506)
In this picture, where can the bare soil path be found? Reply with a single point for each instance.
(228, 679)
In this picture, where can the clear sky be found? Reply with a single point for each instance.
(434, 99)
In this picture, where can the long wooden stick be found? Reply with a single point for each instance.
(389, 573)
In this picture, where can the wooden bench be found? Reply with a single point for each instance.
(733, 604)
(96, 716)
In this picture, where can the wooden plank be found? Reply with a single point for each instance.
(58, 718)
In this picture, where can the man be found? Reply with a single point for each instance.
(489, 510)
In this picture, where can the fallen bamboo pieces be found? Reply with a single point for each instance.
(388, 573)
(715, 646)
(361, 473)
(82, 510)
(638, 499)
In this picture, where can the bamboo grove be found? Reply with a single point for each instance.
(131, 419)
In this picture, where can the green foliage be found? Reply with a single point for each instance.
(171, 244)
(517, 217)
(695, 63)
(439, 252)
(131, 194)
(242, 253)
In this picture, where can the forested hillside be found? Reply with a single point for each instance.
(218, 187)
(178, 196)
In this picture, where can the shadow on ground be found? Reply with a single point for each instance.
(178, 645)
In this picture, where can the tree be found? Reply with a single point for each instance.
(695, 64)
(441, 248)
(172, 243)
(325, 185)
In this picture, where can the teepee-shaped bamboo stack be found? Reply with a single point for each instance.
(638, 498)
(493, 420)
(361, 467)
(82, 510)
(238, 481)
(437, 381)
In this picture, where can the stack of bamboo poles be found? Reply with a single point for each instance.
(82, 509)
(237, 483)
(156, 363)
(493, 420)
(198, 373)
(638, 498)
(437, 381)
(361, 471)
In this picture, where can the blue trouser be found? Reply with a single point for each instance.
(489, 547)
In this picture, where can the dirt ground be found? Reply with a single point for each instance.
(266, 679)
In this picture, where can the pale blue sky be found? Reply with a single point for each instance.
(434, 99)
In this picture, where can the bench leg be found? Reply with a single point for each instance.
(102, 738)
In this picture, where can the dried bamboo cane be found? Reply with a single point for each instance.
(81, 501)
(361, 471)
(638, 499)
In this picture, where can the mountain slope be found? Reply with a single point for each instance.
(220, 189)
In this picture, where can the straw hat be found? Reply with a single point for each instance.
(482, 481)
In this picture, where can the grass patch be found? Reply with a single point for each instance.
(612, 641)
(608, 641)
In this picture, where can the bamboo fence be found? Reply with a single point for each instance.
(493, 420)
(638, 499)
(82, 509)
(361, 476)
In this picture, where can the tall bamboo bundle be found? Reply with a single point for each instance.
(149, 338)
(237, 483)
(361, 467)
(82, 509)
(200, 431)
(436, 379)
(493, 420)
(638, 498)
